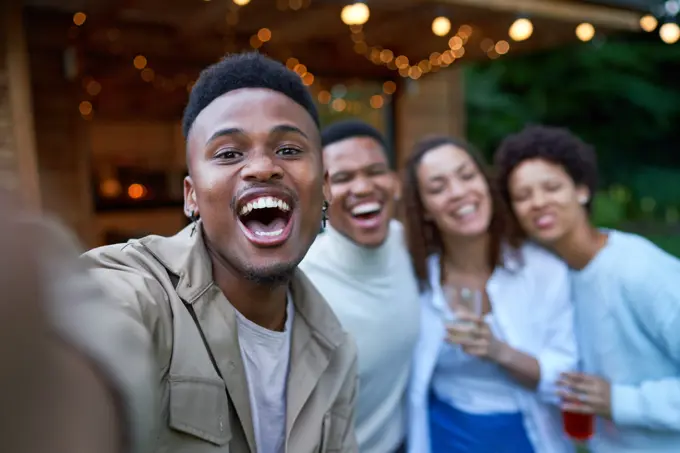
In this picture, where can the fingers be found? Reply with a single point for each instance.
(578, 408)
(580, 383)
(582, 393)
(466, 316)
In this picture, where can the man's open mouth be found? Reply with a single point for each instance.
(266, 220)
(367, 214)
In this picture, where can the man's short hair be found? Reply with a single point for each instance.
(342, 130)
(553, 144)
(245, 70)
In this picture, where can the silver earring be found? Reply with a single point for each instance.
(194, 218)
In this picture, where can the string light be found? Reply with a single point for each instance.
(93, 88)
(377, 101)
(585, 32)
(502, 47)
(140, 62)
(85, 108)
(400, 63)
(648, 23)
(264, 34)
(521, 30)
(441, 26)
(355, 14)
(669, 33)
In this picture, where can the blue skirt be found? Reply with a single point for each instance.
(455, 431)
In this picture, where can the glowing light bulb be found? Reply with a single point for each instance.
(441, 26)
(669, 33)
(585, 32)
(355, 14)
(648, 23)
(521, 30)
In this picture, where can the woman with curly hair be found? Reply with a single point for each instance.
(625, 290)
(483, 379)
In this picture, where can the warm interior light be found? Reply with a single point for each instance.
(502, 47)
(585, 32)
(324, 97)
(338, 105)
(441, 26)
(79, 18)
(355, 14)
(241, 2)
(377, 101)
(648, 23)
(140, 62)
(110, 188)
(264, 34)
(521, 30)
(85, 108)
(136, 191)
(389, 87)
(669, 32)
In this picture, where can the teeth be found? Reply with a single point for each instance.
(264, 202)
(366, 208)
(269, 233)
(465, 210)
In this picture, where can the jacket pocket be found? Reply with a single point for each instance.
(336, 423)
(199, 407)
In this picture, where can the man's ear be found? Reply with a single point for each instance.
(327, 188)
(398, 188)
(190, 205)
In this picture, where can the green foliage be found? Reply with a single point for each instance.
(621, 95)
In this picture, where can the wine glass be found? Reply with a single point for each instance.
(461, 300)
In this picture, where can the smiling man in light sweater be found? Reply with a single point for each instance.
(361, 266)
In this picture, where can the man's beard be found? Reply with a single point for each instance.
(275, 275)
(272, 275)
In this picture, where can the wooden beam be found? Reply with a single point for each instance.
(21, 103)
(569, 11)
(207, 15)
(308, 25)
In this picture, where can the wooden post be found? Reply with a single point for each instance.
(434, 104)
(18, 163)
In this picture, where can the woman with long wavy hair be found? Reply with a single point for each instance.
(484, 373)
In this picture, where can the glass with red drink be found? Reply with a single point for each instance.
(579, 427)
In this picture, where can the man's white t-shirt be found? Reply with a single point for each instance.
(266, 354)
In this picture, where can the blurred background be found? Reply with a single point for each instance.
(92, 91)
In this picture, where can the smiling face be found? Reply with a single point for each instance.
(546, 202)
(454, 192)
(257, 181)
(363, 189)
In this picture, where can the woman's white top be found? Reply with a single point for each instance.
(531, 302)
(472, 384)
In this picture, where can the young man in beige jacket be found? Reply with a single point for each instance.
(250, 356)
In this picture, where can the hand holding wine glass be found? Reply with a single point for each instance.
(465, 325)
(478, 340)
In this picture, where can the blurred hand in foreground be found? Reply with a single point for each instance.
(51, 398)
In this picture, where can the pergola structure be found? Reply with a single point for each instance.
(79, 75)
